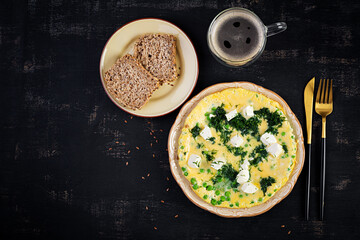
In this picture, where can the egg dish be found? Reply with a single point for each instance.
(237, 148)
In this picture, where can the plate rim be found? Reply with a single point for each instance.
(182, 102)
(184, 183)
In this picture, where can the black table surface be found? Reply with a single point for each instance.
(75, 166)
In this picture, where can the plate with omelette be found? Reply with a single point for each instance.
(236, 149)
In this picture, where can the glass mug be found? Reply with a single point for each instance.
(237, 37)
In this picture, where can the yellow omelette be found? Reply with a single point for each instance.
(237, 148)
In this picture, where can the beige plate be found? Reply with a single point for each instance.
(167, 98)
(184, 183)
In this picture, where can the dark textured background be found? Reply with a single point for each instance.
(65, 145)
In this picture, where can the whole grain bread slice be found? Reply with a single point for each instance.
(157, 53)
(129, 83)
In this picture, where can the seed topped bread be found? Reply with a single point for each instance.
(129, 83)
(157, 53)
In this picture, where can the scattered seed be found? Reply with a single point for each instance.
(125, 121)
(162, 201)
(151, 133)
(110, 149)
(150, 144)
(154, 137)
(166, 149)
(176, 216)
(167, 189)
(148, 122)
(156, 141)
(153, 155)
(161, 130)
(129, 151)
(148, 175)
(282, 226)
(131, 117)
(117, 142)
(155, 228)
(142, 178)
(289, 232)
(137, 148)
(146, 207)
(127, 163)
(167, 179)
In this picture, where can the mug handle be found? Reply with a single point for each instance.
(275, 28)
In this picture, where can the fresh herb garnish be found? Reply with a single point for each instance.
(199, 145)
(209, 155)
(285, 148)
(265, 183)
(195, 131)
(273, 119)
(237, 151)
(250, 126)
(258, 154)
(225, 178)
(212, 140)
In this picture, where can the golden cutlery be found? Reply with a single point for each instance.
(308, 103)
(323, 107)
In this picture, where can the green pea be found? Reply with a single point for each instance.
(202, 170)
(219, 202)
(183, 169)
(204, 184)
(222, 198)
(213, 202)
(293, 156)
(186, 173)
(283, 134)
(246, 194)
(275, 190)
(237, 204)
(231, 205)
(208, 170)
(269, 194)
(241, 196)
(193, 180)
(252, 202)
(217, 192)
(227, 193)
(209, 188)
(227, 198)
(195, 186)
(246, 145)
(292, 136)
(260, 200)
(205, 196)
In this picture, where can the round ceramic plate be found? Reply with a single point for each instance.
(168, 97)
(184, 183)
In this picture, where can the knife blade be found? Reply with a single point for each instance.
(309, 104)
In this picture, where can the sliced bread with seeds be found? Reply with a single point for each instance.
(157, 53)
(129, 83)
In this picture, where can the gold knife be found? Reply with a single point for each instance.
(308, 103)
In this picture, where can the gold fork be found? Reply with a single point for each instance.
(323, 107)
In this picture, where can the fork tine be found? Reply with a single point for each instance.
(327, 91)
(318, 92)
(323, 91)
(331, 93)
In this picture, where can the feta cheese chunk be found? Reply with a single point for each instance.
(249, 188)
(231, 115)
(206, 133)
(217, 163)
(248, 112)
(236, 141)
(274, 149)
(194, 161)
(245, 165)
(268, 139)
(243, 176)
